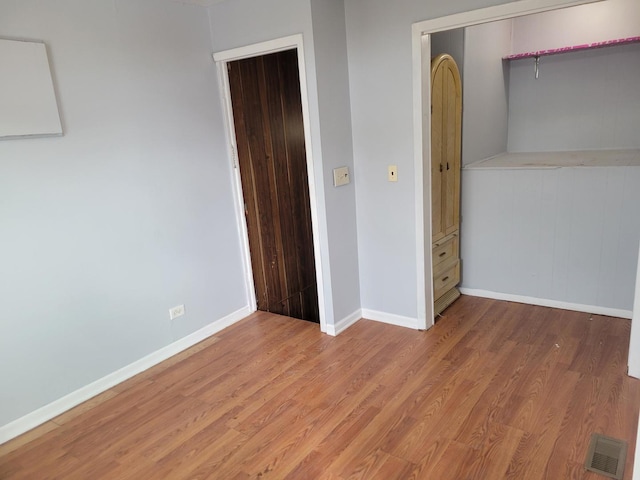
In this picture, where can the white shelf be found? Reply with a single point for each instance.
(537, 160)
(573, 48)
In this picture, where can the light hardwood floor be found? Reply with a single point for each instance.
(494, 390)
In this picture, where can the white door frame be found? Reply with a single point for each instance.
(421, 57)
(258, 49)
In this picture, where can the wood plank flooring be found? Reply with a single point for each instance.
(495, 390)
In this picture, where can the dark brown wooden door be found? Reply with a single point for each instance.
(267, 110)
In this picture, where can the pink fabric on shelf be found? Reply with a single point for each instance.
(586, 46)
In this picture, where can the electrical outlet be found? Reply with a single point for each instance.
(176, 312)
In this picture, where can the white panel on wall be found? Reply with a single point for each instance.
(563, 234)
(616, 216)
(585, 228)
(27, 99)
(483, 230)
(634, 351)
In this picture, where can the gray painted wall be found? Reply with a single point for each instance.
(582, 100)
(595, 22)
(451, 42)
(586, 100)
(330, 42)
(245, 22)
(485, 91)
(129, 214)
(568, 234)
(380, 70)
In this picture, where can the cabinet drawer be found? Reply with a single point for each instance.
(446, 279)
(445, 250)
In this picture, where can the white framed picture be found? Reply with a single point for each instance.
(28, 105)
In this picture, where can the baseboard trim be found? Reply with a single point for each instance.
(57, 407)
(390, 318)
(543, 302)
(343, 324)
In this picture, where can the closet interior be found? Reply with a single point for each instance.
(550, 180)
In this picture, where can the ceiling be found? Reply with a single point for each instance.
(204, 3)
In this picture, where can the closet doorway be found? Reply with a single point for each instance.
(421, 45)
(269, 130)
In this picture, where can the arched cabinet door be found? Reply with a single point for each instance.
(446, 142)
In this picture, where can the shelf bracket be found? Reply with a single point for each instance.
(537, 65)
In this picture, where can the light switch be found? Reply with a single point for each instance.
(341, 176)
(393, 173)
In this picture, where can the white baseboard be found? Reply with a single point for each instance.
(57, 407)
(343, 324)
(543, 302)
(390, 318)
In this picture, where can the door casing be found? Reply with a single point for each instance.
(254, 50)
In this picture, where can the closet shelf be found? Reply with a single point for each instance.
(541, 160)
(574, 48)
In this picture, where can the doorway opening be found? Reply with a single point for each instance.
(421, 47)
(264, 90)
(267, 112)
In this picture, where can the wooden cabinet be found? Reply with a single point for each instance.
(446, 142)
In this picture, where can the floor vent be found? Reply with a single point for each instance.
(606, 456)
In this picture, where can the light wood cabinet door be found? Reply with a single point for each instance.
(446, 140)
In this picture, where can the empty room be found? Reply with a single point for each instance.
(319, 239)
